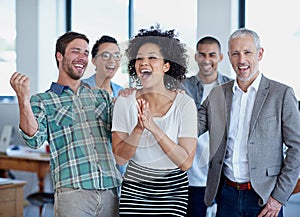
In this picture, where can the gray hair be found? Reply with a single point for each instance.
(242, 32)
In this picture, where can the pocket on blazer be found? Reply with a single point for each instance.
(269, 117)
(268, 125)
(273, 171)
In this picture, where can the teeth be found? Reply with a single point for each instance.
(78, 65)
(206, 66)
(145, 71)
(243, 67)
(110, 67)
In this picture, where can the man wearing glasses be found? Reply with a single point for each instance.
(106, 57)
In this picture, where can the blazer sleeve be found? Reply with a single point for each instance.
(291, 138)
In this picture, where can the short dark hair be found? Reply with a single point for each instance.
(172, 50)
(209, 40)
(63, 41)
(103, 39)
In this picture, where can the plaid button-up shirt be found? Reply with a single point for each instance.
(77, 127)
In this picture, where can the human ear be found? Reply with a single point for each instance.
(166, 67)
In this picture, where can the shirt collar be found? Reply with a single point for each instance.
(219, 78)
(254, 85)
(256, 82)
(59, 89)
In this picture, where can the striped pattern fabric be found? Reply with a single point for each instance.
(146, 191)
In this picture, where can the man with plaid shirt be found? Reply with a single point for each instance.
(76, 121)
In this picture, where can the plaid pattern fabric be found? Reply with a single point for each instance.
(78, 128)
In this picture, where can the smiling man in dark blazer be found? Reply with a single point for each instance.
(249, 120)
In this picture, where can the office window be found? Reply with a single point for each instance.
(95, 18)
(170, 14)
(102, 17)
(7, 45)
(279, 31)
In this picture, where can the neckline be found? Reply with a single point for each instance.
(172, 107)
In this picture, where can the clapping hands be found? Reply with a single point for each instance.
(145, 118)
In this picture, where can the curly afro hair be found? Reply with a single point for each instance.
(172, 50)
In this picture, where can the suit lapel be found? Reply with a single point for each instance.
(262, 93)
(228, 100)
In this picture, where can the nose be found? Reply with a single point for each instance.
(206, 58)
(82, 56)
(143, 62)
(111, 59)
(242, 58)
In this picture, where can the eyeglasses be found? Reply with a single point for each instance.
(106, 56)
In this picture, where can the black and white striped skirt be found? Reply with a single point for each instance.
(146, 191)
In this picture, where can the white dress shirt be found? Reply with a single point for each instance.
(236, 159)
(198, 172)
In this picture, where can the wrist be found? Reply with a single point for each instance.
(23, 100)
(138, 131)
(156, 131)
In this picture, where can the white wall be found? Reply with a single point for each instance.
(39, 23)
(218, 19)
(26, 40)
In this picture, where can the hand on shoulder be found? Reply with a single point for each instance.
(126, 92)
(178, 90)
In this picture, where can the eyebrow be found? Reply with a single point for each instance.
(79, 49)
(213, 52)
(152, 52)
(117, 52)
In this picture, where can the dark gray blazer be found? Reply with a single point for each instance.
(275, 120)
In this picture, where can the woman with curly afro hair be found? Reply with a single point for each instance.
(155, 128)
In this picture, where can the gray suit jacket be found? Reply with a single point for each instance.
(275, 120)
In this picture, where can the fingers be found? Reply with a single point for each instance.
(271, 209)
(179, 90)
(140, 121)
(126, 92)
(263, 213)
(143, 112)
(18, 78)
(21, 85)
(140, 107)
(13, 77)
(140, 114)
(268, 213)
